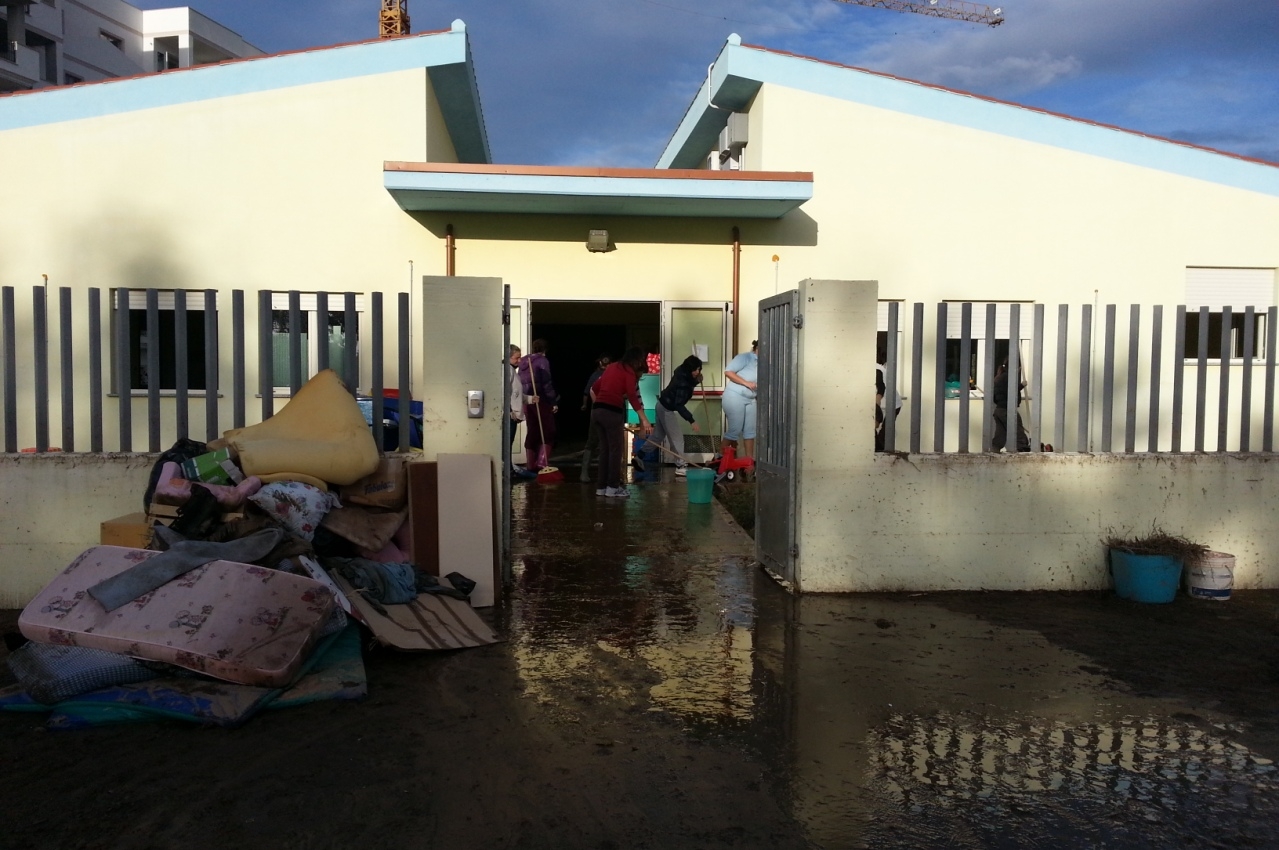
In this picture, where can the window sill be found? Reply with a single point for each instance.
(164, 394)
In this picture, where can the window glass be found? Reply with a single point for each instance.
(140, 341)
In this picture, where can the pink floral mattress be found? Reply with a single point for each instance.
(236, 622)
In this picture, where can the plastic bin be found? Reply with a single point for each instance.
(701, 484)
(1145, 578)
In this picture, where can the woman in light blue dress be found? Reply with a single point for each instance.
(739, 400)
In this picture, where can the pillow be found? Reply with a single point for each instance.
(298, 507)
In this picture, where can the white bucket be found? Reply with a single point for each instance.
(1211, 576)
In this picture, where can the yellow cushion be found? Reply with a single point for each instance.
(320, 433)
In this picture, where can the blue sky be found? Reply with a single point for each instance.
(605, 82)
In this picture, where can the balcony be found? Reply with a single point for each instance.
(20, 67)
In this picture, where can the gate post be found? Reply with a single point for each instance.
(835, 429)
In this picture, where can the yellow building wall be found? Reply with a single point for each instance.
(273, 190)
(935, 211)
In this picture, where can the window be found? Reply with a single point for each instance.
(329, 331)
(1217, 289)
(960, 374)
(69, 79)
(140, 341)
(114, 40)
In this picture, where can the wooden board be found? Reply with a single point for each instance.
(424, 518)
(467, 523)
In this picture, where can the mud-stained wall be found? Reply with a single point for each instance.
(1009, 522)
(868, 522)
(52, 507)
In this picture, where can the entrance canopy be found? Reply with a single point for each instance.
(678, 193)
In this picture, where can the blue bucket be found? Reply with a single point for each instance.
(1145, 578)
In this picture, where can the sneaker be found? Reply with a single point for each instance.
(602, 491)
(680, 472)
(638, 463)
(618, 493)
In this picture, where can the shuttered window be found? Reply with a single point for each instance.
(1237, 289)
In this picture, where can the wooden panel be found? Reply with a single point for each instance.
(424, 519)
(466, 520)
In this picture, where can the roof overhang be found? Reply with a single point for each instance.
(543, 190)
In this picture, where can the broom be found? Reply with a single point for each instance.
(546, 474)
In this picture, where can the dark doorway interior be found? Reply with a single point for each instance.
(577, 332)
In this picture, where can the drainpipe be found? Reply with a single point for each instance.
(450, 252)
(737, 281)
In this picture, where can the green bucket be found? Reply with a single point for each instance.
(701, 483)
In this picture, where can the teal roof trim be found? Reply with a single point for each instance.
(539, 194)
(446, 56)
(739, 71)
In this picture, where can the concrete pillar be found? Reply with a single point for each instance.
(835, 425)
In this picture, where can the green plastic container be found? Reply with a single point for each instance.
(701, 484)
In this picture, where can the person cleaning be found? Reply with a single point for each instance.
(672, 404)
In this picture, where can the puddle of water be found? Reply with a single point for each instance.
(881, 722)
(1132, 782)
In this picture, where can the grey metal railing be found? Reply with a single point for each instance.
(1123, 399)
(94, 371)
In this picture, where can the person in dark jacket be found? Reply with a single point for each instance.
(672, 403)
(542, 402)
(1000, 397)
(588, 404)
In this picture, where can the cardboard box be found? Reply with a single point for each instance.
(132, 530)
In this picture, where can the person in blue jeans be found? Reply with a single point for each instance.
(672, 404)
(739, 400)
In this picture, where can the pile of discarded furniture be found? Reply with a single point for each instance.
(261, 567)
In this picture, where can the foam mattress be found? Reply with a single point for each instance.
(236, 622)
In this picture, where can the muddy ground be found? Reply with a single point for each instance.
(661, 695)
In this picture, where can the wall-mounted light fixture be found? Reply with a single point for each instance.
(597, 242)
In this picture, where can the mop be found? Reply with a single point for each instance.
(546, 474)
(673, 453)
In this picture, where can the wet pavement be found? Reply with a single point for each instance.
(921, 720)
(655, 689)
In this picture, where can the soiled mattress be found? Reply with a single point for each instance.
(236, 622)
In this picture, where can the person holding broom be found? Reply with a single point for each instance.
(618, 385)
(541, 405)
(672, 403)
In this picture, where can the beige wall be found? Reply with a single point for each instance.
(275, 190)
(53, 507)
(868, 522)
(935, 211)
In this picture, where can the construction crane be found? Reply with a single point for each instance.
(394, 20)
(952, 9)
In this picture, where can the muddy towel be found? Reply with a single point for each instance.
(180, 559)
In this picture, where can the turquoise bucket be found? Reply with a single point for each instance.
(1145, 578)
(701, 485)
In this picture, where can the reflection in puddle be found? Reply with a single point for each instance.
(1100, 781)
(692, 631)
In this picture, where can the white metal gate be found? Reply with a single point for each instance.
(776, 452)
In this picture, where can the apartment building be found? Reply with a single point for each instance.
(61, 42)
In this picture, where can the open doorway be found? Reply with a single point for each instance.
(577, 332)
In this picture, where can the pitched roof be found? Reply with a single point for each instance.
(741, 70)
(445, 54)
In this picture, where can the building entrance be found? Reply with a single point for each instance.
(577, 333)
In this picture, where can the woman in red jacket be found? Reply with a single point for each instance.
(618, 385)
